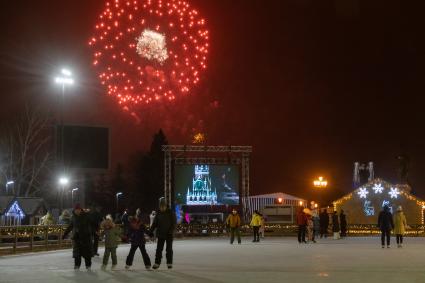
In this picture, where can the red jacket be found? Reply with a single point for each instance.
(301, 218)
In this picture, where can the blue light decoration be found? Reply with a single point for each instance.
(368, 209)
(15, 211)
(387, 203)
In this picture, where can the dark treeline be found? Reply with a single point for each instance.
(141, 181)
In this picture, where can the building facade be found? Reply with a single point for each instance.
(363, 205)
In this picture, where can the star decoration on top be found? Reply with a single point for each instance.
(378, 188)
(394, 192)
(362, 192)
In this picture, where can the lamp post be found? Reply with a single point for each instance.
(72, 195)
(64, 79)
(8, 183)
(320, 183)
(117, 197)
(63, 181)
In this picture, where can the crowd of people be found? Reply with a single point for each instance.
(86, 225)
(311, 224)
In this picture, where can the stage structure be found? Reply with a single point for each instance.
(209, 156)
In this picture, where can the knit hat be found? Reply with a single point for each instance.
(399, 208)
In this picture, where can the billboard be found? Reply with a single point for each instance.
(204, 184)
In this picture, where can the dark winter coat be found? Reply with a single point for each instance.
(96, 219)
(136, 232)
(343, 222)
(335, 223)
(385, 220)
(324, 219)
(82, 235)
(301, 218)
(164, 224)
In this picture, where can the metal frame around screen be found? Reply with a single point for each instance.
(236, 155)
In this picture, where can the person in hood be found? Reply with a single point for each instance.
(82, 241)
(400, 225)
(164, 224)
(136, 235)
(112, 235)
(385, 224)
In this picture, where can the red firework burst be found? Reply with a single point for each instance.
(149, 50)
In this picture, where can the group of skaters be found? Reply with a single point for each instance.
(311, 224)
(86, 227)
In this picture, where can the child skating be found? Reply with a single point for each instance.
(112, 235)
(136, 235)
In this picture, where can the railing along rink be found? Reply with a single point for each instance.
(32, 238)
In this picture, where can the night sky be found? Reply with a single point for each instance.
(312, 85)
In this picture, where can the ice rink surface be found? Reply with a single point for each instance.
(215, 260)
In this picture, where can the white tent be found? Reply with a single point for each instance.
(258, 202)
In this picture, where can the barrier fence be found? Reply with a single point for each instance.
(16, 239)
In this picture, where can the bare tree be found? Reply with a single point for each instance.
(26, 152)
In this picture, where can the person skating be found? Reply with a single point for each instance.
(316, 225)
(164, 225)
(124, 221)
(302, 225)
(262, 226)
(112, 235)
(151, 219)
(234, 223)
(310, 228)
(136, 235)
(336, 229)
(255, 224)
(385, 224)
(400, 225)
(324, 223)
(343, 223)
(82, 241)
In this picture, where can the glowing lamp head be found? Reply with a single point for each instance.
(63, 181)
(66, 72)
(301, 203)
(64, 81)
(279, 200)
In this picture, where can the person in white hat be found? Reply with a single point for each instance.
(400, 225)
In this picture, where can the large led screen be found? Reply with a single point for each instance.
(206, 184)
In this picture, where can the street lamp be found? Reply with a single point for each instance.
(72, 195)
(8, 183)
(117, 197)
(64, 79)
(320, 183)
(63, 181)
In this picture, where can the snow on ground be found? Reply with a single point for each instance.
(213, 260)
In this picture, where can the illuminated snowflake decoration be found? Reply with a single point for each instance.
(393, 192)
(378, 188)
(152, 46)
(362, 192)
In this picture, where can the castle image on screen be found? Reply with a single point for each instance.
(206, 184)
